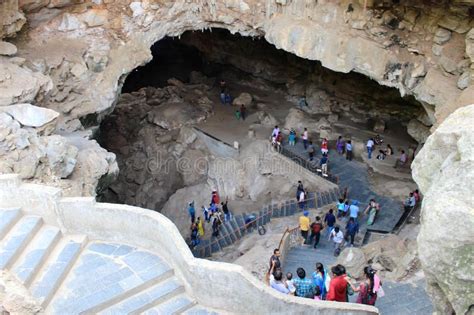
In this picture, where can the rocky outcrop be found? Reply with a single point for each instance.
(444, 171)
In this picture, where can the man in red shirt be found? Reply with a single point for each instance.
(337, 286)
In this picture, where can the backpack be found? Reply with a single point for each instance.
(316, 227)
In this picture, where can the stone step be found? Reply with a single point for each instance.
(8, 218)
(156, 295)
(55, 269)
(199, 310)
(36, 253)
(17, 239)
(106, 274)
(176, 305)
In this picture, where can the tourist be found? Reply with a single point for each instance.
(305, 138)
(341, 209)
(349, 150)
(346, 207)
(292, 137)
(367, 295)
(389, 150)
(194, 235)
(337, 286)
(354, 210)
(304, 226)
(410, 202)
(215, 197)
(225, 209)
(402, 160)
(275, 259)
(337, 238)
(302, 102)
(279, 140)
(417, 196)
(192, 211)
(324, 147)
(323, 163)
(289, 283)
(321, 280)
(378, 140)
(205, 211)
(302, 199)
(329, 220)
(237, 114)
(381, 156)
(243, 111)
(370, 147)
(276, 277)
(311, 150)
(223, 85)
(316, 228)
(340, 145)
(200, 227)
(216, 222)
(304, 286)
(300, 186)
(372, 210)
(275, 131)
(212, 208)
(352, 228)
(228, 98)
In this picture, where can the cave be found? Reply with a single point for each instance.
(179, 89)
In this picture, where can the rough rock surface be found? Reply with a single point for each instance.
(418, 131)
(444, 171)
(29, 115)
(7, 49)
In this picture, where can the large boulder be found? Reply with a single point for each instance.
(444, 171)
(243, 99)
(354, 260)
(418, 131)
(29, 115)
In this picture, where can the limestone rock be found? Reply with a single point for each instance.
(32, 5)
(30, 115)
(464, 80)
(354, 260)
(11, 19)
(448, 64)
(442, 35)
(94, 17)
(7, 49)
(186, 136)
(243, 99)
(19, 84)
(266, 119)
(60, 156)
(445, 241)
(379, 126)
(437, 49)
(418, 131)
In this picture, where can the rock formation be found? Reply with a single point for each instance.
(444, 171)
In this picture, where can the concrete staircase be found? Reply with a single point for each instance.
(68, 274)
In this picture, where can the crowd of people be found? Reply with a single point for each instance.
(337, 285)
(217, 213)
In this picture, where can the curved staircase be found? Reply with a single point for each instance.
(76, 256)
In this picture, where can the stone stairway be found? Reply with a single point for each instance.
(353, 175)
(400, 298)
(68, 274)
(235, 228)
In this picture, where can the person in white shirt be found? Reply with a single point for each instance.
(305, 138)
(370, 147)
(349, 150)
(337, 237)
(276, 131)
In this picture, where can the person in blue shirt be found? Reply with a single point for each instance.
(192, 211)
(352, 228)
(349, 150)
(320, 279)
(341, 209)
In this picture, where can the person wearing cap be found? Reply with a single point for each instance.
(192, 211)
(304, 225)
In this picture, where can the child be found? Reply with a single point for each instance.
(292, 137)
(237, 114)
(200, 227)
(340, 208)
(289, 283)
(317, 293)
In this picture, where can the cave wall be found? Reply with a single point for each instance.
(86, 49)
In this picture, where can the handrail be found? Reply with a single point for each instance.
(250, 223)
(287, 231)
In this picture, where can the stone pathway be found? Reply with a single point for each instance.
(400, 298)
(353, 175)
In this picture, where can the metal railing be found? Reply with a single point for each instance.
(307, 164)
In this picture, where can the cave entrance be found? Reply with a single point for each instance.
(180, 89)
